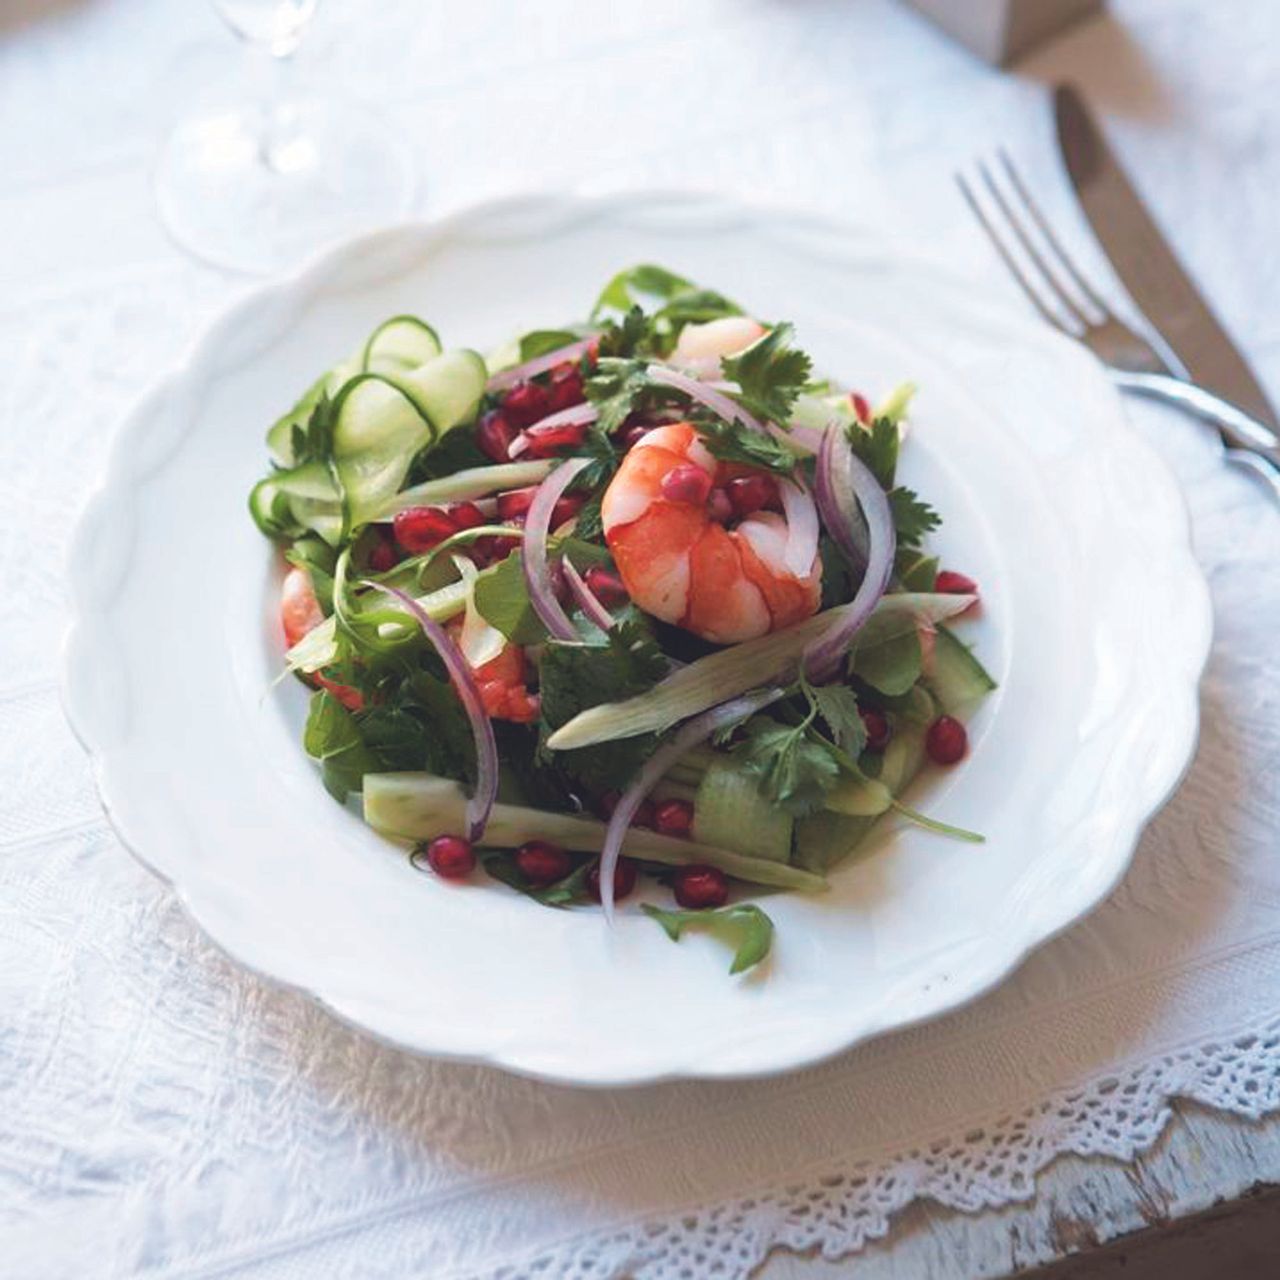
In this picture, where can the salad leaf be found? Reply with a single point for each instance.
(795, 769)
(838, 706)
(645, 279)
(332, 737)
(628, 338)
(743, 926)
(502, 599)
(313, 442)
(771, 373)
(683, 303)
(450, 453)
(912, 519)
(573, 677)
(567, 892)
(733, 442)
(877, 446)
(892, 666)
(916, 571)
(318, 558)
(615, 388)
(539, 342)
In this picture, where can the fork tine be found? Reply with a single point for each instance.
(1052, 240)
(1029, 248)
(1010, 261)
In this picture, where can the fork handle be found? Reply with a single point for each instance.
(1239, 431)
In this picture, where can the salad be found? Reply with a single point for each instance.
(640, 596)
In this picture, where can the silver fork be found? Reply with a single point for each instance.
(1065, 299)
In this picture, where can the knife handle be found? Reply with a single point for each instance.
(1237, 428)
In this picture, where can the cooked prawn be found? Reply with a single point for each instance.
(680, 563)
(502, 682)
(300, 613)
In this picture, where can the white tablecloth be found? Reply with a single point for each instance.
(164, 1114)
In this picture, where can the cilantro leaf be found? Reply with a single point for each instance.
(795, 770)
(628, 338)
(732, 442)
(573, 677)
(877, 446)
(332, 738)
(568, 892)
(912, 519)
(743, 926)
(502, 600)
(771, 373)
(838, 706)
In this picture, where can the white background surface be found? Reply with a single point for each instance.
(163, 1114)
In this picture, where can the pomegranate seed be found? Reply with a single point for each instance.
(383, 555)
(624, 879)
(566, 508)
(861, 408)
(543, 863)
(946, 740)
(546, 442)
(466, 515)
(673, 818)
(606, 586)
(955, 584)
(719, 506)
(525, 403)
(876, 723)
(699, 887)
(566, 389)
(419, 528)
(515, 502)
(686, 483)
(494, 434)
(632, 435)
(451, 857)
(749, 494)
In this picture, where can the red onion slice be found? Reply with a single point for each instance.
(537, 525)
(480, 804)
(587, 600)
(688, 736)
(539, 364)
(846, 493)
(802, 526)
(719, 403)
(578, 415)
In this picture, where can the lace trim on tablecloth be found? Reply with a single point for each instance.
(837, 1214)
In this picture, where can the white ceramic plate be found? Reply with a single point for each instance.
(1096, 624)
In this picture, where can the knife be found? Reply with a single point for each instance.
(1146, 264)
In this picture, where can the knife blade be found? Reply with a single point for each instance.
(1146, 264)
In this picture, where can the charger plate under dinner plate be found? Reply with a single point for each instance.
(1095, 623)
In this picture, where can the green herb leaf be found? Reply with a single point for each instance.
(332, 737)
(838, 706)
(795, 770)
(539, 342)
(916, 572)
(877, 446)
(743, 926)
(771, 373)
(892, 666)
(733, 442)
(573, 677)
(502, 599)
(568, 892)
(912, 519)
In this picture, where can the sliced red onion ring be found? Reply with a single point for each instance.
(574, 416)
(587, 600)
(481, 801)
(539, 364)
(802, 526)
(719, 403)
(847, 494)
(806, 439)
(688, 736)
(537, 525)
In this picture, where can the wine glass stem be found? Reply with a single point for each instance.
(277, 117)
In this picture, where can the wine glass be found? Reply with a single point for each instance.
(258, 188)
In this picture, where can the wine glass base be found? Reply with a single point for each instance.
(237, 202)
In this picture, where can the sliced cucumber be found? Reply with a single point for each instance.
(730, 812)
(474, 482)
(958, 680)
(398, 344)
(859, 797)
(385, 419)
(418, 806)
